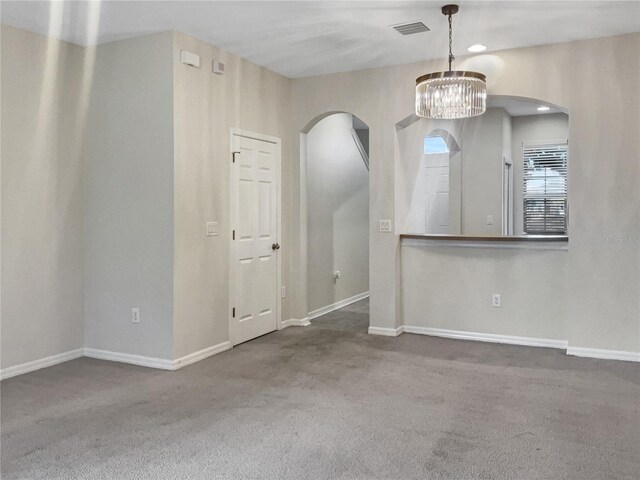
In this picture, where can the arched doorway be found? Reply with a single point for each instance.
(335, 194)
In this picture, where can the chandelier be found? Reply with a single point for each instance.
(451, 94)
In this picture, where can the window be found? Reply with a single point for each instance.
(435, 144)
(545, 188)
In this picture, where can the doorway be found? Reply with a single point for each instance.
(337, 200)
(255, 266)
(429, 178)
(436, 174)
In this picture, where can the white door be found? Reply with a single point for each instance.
(255, 209)
(437, 193)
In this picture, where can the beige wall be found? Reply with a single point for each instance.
(206, 106)
(156, 161)
(156, 154)
(41, 197)
(482, 149)
(128, 217)
(458, 283)
(603, 270)
(338, 213)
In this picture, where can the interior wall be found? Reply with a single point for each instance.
(206, 106)
(128, 216)
(554, 126)
(603, 276)
(363, 135)
(475, 174)
(410, 175)
(520, 277)
(338, 213)
(124, 245)
(42, 278)
(128, 226)
(482, 150)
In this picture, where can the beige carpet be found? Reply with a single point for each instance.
(329, 401)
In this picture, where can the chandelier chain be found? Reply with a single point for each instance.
(451, 57)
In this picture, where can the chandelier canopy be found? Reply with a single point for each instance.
(451, 94)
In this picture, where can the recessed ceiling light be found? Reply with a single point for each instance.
(543, 109)
(477, 48)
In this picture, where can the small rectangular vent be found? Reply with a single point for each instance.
(410, 28)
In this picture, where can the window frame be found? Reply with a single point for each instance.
(540, 144)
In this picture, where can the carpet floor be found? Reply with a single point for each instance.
(329, 401)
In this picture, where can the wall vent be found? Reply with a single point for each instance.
(410, 28)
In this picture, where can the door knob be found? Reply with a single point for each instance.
(275, 246)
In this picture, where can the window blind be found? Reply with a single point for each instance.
(545, 188)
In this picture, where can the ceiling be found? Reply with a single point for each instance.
(305, 37)
(520, 106)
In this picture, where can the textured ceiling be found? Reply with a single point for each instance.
(305, 38)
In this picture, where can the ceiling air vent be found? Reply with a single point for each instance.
(410, 28)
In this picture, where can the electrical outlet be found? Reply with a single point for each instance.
(495, 300)
(135, 315)
(385, 226)
(489, 219)
(284, 292)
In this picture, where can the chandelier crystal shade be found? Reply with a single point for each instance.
(451, 94)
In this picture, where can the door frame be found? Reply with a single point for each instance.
(238, 132)
(507, 195)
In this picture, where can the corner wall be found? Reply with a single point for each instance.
(117, 156)
(128, 248)
(42, 275)
(206, 106)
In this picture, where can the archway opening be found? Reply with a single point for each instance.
(501, 173)
(335, 178)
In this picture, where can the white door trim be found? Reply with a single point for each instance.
(233, 131)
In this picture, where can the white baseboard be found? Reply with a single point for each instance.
(40, 363)
(161, 363)
(295, 322)
(385, 332)
(510, 340)
(604, 354)
(201, 355)
(487, 337)
(152, 362)
(335, 306)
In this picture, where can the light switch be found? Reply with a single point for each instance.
(385, 226)
(213, 229)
